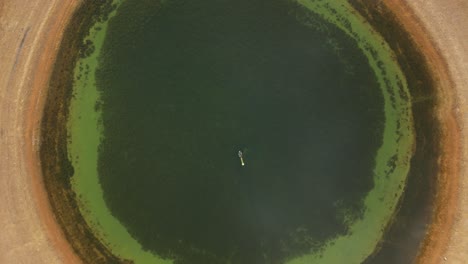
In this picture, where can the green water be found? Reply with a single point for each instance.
(393, 157)
(323, 170)
(85, 132)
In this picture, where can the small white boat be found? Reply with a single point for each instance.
(241, 157)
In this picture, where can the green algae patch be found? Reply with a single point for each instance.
(417, 203)
(85, 133)
(393, 158)
(56, 167)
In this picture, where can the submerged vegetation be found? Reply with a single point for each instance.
(56, 167)
(396, 159)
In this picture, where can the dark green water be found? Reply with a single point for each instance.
(187, 84)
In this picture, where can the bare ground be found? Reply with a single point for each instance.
(30, 35)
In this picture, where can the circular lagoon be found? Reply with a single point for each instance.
(239, 132)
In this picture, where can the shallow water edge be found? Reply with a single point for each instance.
(56, 166)
(419, 197)
(54, 139)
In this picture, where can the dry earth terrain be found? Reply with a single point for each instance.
(30, 34)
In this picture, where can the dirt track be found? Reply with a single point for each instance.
(30, 32)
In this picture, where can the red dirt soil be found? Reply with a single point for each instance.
(31, 32)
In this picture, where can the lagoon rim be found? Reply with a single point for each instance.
(184, 85)
(198, 81)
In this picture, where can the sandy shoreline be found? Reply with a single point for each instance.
(31, 32)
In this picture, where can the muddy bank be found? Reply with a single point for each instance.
(56, 166)
(419, 230)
